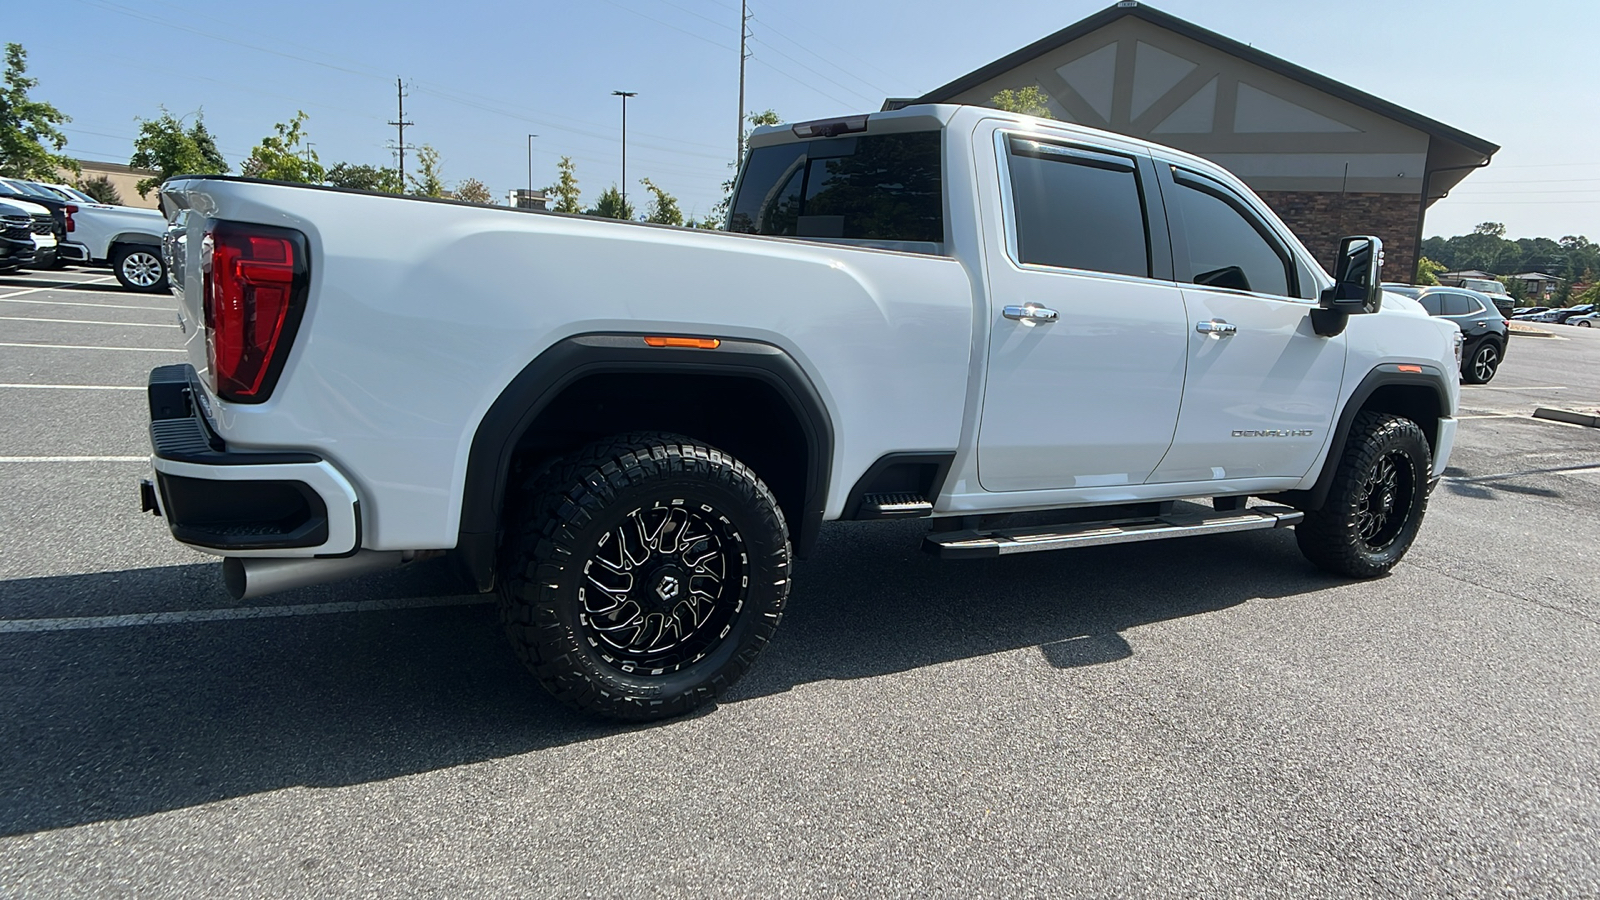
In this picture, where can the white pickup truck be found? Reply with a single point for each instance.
(1034, 335)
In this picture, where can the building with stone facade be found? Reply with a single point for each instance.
(1330, 159)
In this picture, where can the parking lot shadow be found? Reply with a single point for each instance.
(120, 722)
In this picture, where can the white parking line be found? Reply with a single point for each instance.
(88, 322)
(73, 387)
(79, 303)
(101, 280)
(83, 347)
(62, 459)
(76, 623)
(1548, 387)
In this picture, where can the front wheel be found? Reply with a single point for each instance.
(1377, 500)
(139, 268)
(641, 576)
(1481, 367)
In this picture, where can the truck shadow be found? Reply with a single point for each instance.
(121, 722)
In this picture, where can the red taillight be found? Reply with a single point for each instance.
(68, 210)
(255, 285)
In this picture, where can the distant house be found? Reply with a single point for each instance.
(1454, 279)
(1328, 158)
(1537, 285)
(522, 198)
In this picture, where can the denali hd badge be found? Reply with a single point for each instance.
(1274, 432)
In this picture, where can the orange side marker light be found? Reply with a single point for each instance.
(689, 342)
(1415, 370)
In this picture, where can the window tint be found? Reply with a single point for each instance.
(1078, 211)
(877, 187)
(1458, 305)
(1430, 303)
(1225, 248)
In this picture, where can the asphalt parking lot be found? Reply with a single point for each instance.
(1199, 718)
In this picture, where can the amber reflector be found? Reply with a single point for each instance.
(692, 343)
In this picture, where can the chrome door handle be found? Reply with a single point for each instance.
(1216, 328)
(1031, 314)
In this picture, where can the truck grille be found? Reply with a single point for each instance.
(43, 223)
(17, 228)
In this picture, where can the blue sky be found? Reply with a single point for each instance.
(483, 75)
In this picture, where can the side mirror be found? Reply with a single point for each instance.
(1357, 285)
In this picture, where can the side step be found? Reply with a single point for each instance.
(895, 506)
(1181, 523)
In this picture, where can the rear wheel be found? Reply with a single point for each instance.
(1481, 366)
(139, 268)
(641, 576)
(1377, 500)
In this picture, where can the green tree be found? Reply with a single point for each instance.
(565, 190)
(663, 206)
(280, 157)
(101, 188)
(1030, 101)
(1427, 271)
(611, 205)
(169, 147)
(427, 183)
(1494, 229)
(29, 129)
(363, 177)
(474, 191)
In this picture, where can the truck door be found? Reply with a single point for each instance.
(1087, 330)
(1261, 388)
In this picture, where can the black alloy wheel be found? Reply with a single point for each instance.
(1483, 364)
(1377, 500)
(641, 576)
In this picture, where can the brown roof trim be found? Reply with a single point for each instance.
(1227, 45)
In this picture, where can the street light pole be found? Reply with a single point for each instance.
(529, 196)
(624, 95)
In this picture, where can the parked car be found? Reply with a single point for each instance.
(1587, 320)
(1404, 290)
(43, 231)
(1485, 330)
(17, 191)
(126, 238)
(16, 238)
(72, 194)
(936, 312)
(1563, 316)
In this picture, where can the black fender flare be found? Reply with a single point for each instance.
(134, 237)
(566, 362)
(1404, 374)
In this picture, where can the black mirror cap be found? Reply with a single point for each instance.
(1357, 285)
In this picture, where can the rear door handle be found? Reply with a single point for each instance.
(1031, 314)
(1216, 328)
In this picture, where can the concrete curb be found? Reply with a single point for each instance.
(1564, 415)
(1525, 331)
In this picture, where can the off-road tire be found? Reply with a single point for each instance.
(1335, 537)
(135, 264)
(1480, 367)
(561, 524)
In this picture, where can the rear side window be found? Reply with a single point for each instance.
(1078, 209)
(886, 187)
(1227, 246)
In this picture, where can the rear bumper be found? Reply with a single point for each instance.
(72, 252)
(242, 503)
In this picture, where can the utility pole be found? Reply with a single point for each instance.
(401, 123)
(744, 34)
(530, 167)
(624, 95)
(309, 145)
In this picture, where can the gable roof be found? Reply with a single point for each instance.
(1227, 45)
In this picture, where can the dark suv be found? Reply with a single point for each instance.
(1484, 328)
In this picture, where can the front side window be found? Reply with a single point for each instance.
(1458, 305)
(1078, 209)
(1227, 248)
(1430, 304)
(885, 187)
